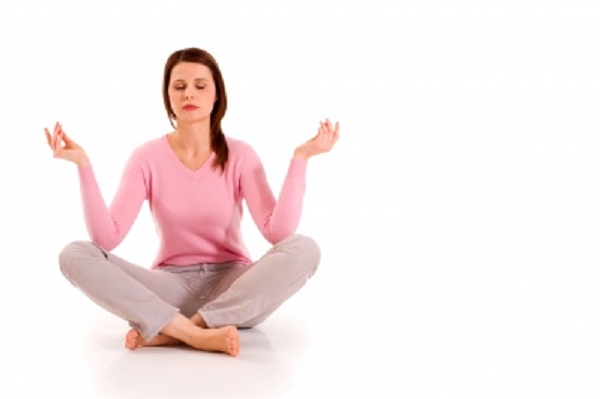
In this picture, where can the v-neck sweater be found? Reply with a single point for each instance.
(197, 214)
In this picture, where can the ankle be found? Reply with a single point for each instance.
(199, 321)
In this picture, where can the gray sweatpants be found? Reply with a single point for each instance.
(223, 294)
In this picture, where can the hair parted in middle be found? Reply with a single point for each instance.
(217, 138)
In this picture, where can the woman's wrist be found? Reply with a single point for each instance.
(300, 155)
(83, 161)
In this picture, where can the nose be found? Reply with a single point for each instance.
(189, 93)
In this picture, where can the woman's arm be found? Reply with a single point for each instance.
(106, 226)
(278, 219)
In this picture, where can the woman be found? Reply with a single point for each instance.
(202, 284)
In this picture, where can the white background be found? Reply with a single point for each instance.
(458, 216)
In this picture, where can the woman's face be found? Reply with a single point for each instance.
(192, 92)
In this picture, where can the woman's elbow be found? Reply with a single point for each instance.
(106, 243)
(278, 235)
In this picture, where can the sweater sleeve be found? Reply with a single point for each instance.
(108, 226)
(276, 219)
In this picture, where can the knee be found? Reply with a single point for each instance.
(70, 258)
(311, 250)
(307, 249)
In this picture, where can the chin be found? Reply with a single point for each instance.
(189, 121)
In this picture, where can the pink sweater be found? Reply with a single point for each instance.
(197, 213)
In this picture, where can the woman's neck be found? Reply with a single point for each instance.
(192, 138)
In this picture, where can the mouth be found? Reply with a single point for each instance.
(189, 107)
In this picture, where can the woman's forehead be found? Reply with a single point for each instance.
(190, 71)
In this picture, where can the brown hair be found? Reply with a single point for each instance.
(217, 139)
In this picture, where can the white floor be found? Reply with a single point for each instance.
(456, 344)
(78, 350)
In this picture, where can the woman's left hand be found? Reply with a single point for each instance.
(323, 142)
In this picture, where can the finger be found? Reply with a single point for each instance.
(55, 142)
(56, 147)
(51, 141)
(322, 131)
(48, 137)
(58, 143)
(67, 140)
(327, 132)
(329, 139)
(64, 136)
(61, 134)
(332, 134)
(55, 134)
(331, 129)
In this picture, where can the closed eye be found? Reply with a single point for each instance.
(197, 87)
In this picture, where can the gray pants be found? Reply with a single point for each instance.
(223, 294)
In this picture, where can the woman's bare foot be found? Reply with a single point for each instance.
(224, 339)
(134, 340)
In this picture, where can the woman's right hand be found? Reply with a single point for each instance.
(70, 151)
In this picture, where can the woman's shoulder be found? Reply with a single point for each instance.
(152, 144)
(150, 147)
(240, 149)
(146, 153)
(237, 145)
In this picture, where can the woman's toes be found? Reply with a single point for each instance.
(233, 342)
(132, 339)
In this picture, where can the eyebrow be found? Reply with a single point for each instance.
(182, 80)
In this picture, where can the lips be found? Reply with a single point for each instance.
(189, 107)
